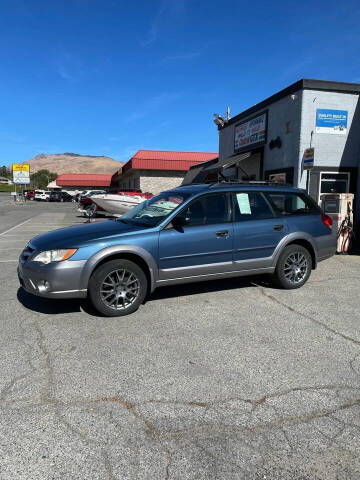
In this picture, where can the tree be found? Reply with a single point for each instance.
(5, 172)
(42, 178)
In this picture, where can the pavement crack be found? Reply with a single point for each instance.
(108, 465)
(308, 317)
(49, 398)
(46, 394)
(357, 372)
(147, 424)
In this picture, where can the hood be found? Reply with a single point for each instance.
(82, 235)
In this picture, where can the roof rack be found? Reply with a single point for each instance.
(249, 182)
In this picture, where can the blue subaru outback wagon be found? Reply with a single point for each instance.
(191, 233)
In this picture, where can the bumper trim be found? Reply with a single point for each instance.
(64, 279)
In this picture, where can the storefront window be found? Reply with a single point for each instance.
(334, 182)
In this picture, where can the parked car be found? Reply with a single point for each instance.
(29, 194)
(42, 195)
(60, 197)
(191, 233)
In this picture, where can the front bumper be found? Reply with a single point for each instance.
(54, 280)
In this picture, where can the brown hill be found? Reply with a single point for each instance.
(74, 163)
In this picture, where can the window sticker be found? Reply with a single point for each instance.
(244, 203)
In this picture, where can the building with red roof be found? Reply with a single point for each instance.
(83, 180)
(154, 170)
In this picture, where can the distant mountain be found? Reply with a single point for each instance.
(74, 163)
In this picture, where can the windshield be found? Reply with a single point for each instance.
(152, 212)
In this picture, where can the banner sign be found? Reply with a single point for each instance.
(21, 173)
(308, 160)
(331, 121)
(251, 132)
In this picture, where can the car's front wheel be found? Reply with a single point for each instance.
(117, 288)
(294, 267)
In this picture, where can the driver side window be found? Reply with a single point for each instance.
(208, 210)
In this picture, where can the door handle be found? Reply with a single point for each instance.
(278, 228)
(222, 233)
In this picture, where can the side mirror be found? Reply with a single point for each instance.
(180, 221)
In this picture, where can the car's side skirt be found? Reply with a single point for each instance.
(214, 276)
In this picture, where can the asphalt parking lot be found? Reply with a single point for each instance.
(221, 380)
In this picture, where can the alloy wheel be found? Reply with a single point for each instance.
(120, 289)
(295, 267)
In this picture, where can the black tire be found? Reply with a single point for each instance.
(101, 300)
(293, 268)
(90, 211)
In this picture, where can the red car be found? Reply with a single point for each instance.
(29, 194)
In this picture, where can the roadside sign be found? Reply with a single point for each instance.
(21, 173)
(308, 160)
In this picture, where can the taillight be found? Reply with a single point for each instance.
(328, 221)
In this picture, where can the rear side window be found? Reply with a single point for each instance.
(251, 206)
(287, 203)
(209, 210)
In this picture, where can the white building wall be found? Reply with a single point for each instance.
(330, 150)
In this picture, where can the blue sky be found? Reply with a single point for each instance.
(110, 77)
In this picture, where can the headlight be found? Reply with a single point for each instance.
(54, 255)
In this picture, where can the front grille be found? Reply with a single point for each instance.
(27, 252)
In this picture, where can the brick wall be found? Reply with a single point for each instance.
(157, 181)
(154, 181)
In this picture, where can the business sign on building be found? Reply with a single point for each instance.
(308, 160)
(250, 133)
(331, 121)
(21, 173)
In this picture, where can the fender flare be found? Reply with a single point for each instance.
(99, 256)
(291, 238)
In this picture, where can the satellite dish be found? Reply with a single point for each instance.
(219, 120)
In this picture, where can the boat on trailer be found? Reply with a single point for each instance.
(121, 202)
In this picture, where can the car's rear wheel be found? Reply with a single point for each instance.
(117, 288)
(293, 268)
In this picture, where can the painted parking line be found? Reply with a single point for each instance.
(11, 240)
(16, 226)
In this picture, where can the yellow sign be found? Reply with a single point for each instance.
(21, 173)
(21, 167)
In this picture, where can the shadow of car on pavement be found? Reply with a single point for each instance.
(73, 305)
